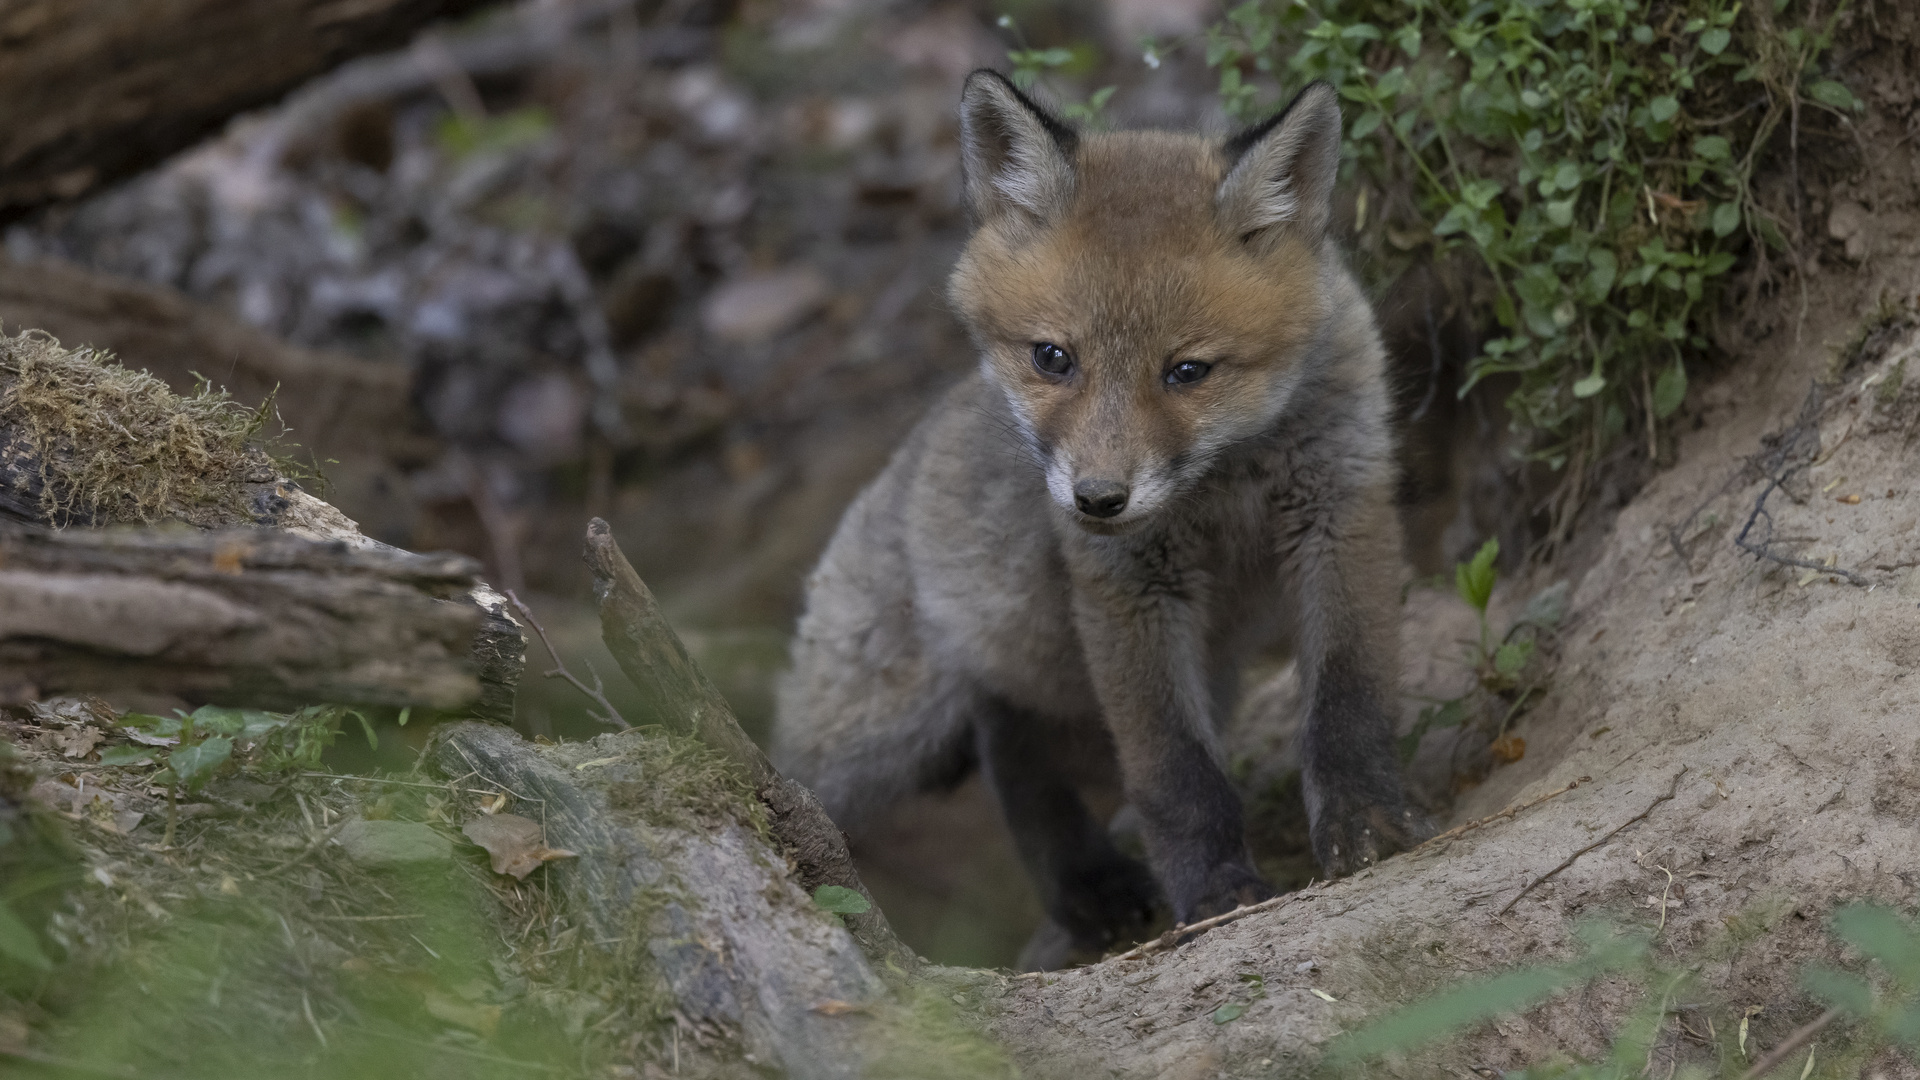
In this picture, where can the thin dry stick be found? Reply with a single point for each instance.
(1611, 833)
(1507, 813)
(1801, 1037)
(1179, 933)
(596, 692)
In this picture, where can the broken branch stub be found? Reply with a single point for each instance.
(680, 698)
(250, 618)
(693, 903)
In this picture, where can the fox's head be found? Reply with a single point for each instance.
(1144, 299)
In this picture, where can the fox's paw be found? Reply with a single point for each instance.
(1105, 901)
(1346, 840)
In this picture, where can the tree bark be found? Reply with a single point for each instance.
(247, 617)
(680, 698)
(95, 90)
(725, 931)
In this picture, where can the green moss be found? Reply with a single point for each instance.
(114, 445)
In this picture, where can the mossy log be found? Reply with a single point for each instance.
(255, 618)
(696, 907)
(94, 90)
(84, 441)
(680, 698)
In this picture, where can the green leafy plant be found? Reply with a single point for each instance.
(1032, 66)
(1891, 1010)
(1499, 666)
(1594, 157)
(1884, 1005)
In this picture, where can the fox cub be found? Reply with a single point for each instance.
(1176, 451)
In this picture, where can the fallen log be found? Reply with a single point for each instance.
(680, 698)
(256, 618)
(97, 90)
(701, 912)
(84, 441)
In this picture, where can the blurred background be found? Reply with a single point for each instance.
(680, 265)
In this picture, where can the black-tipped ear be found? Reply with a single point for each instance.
(1282, 170)
(1016, 158)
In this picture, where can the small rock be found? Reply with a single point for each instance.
(1304, 967)
(1848, 222)
(757, 307)
(392, 843)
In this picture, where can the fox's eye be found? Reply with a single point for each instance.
(1188, 371)
(1051, 358)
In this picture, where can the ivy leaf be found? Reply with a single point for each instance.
(1715, 41)
(1560, 212)
(1229, 1012)
(1828, 92)
(193, 765)
(1590, 385)
(1669, 391)
(126, 756)
(1408, 38)
(1666, 107)
(840, 900)
(1726, 218)
(1711, 148)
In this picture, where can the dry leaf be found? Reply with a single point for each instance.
(1321, 994)
(483, 1019)
(1509, 749)
(836, 1007)
(494, 803)
(78, 742)
(518, 845)
(1850, 500)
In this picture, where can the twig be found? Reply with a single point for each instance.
(1784, 454)
(596, 692)
(317, 843)
(1180, 933)
(1800, 1037)
(402, 783)
(1672, 790)
(1507, 813)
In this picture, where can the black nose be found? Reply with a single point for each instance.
(1100, 498)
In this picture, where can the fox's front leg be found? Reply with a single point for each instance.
(1356, 810)
(1144, 651)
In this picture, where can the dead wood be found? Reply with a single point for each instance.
(704, 909)
(244, 487)
(96, 90)
(679, 697)
(248, 618)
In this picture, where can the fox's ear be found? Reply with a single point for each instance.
(1282, 171)
(1016, 160)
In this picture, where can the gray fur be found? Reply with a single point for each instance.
(964, 614)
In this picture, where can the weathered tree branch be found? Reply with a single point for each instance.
(680, 698)
(248, 617)
(94, 90)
